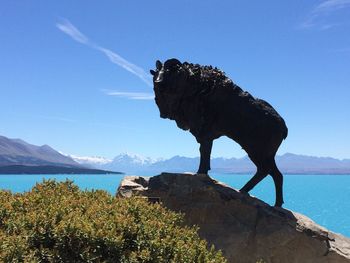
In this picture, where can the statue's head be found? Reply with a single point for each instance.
(169, 81)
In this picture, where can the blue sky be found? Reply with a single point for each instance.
(74, 74)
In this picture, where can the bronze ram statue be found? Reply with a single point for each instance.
(204, 101)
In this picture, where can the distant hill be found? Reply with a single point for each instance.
(288, 163)
(19, 152)
(48, 169)
(18, 156)
(294, 163)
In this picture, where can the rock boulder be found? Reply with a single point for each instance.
(245, 228)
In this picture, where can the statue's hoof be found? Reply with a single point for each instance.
(243, 192)
(202, 174)
(278, 204)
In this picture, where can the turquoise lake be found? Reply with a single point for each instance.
(323, 198)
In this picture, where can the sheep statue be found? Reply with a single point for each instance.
(204, 101)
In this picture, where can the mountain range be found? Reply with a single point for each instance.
(288, 163)
(19, 156)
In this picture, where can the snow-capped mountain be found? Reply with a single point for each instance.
(136, 159)
(92, 161)
(130, 163)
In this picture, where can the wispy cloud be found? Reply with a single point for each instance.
(117, 59)
(68, 28)
(316, 17)
(130, 95)
(72, 31)
(331, 5)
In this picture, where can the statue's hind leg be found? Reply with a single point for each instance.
(260, 174)
(278, 180)
(263, 168)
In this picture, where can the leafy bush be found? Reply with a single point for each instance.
(56, 222)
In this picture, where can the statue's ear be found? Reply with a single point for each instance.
(152, 72)
(158, 65)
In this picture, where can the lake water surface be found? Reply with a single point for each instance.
(323, 198)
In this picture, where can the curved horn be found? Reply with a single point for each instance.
(158, 65)
(172, 62)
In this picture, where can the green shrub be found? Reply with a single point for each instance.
(57, 222)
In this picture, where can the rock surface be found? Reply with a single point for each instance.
(243, 227)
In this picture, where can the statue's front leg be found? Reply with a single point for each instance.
(205, 151)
